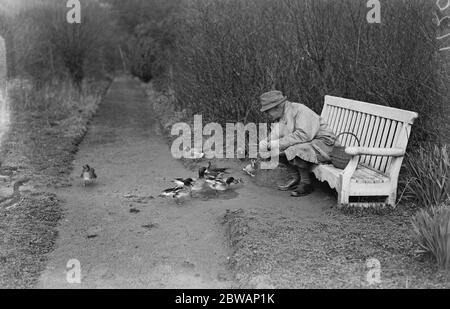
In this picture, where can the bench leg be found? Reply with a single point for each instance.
(391, 199)
(343, 198)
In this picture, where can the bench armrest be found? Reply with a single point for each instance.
(384, 152)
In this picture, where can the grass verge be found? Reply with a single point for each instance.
(269, 251)
(39, 146)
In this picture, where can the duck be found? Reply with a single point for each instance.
(200, 183)
(196, 185)
(222, 184)
(88, 175)
(179, 191)
(204, 174)
(181, 182)
(251, 168)
(215, 171)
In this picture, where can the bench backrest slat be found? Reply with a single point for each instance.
(391, 141)
(377, 142)
(387, 138)
(375, 125)
(382, 142)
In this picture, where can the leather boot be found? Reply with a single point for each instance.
(303, 190)
(290, 185)
(293, 183)
(306, 187)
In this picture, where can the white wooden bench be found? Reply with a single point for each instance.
(374, 169)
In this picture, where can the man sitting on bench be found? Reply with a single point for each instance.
(304, 139)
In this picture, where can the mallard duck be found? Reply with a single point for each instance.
(88, 175)
(203, 174)
(180, 182)
(178, 192)
(200, 183)
(215, 171)
(221, 184)
(196, 185)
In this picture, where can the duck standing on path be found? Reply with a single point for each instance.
(181, 182)
(195, 184)
(88, 175)
(199, 186)
(180, 191)
(222, 184)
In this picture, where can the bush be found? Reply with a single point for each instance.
(428, 175)
(143, 54)
(149, 26)
(229, 52)
(47, 47)
(432, 231)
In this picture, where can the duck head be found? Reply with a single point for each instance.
(202, 172)
(230, 180)
(188, 182)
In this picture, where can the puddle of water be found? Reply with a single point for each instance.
(207, 195)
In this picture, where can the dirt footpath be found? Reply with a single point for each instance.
(124, 235)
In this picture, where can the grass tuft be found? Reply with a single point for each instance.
(432, 230)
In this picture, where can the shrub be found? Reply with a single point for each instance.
(47, 47)
(428, 175)
(229, 52)
(143, 54)
(432, 231)
(149, 26)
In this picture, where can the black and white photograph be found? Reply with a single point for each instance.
(224, 150)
